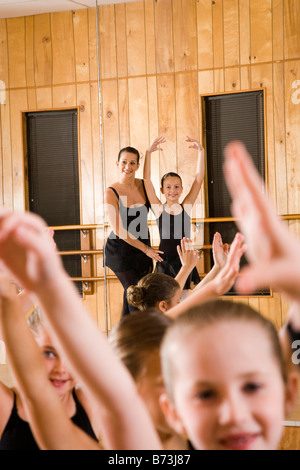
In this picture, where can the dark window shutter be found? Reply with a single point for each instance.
(238, 116)
(53, 177)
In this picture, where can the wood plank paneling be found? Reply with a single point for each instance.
(44, 98)
(138, 116)
(107, 40)
(204, 34)
(93, 57)
(185, 35)
(85, 153)
(261, 27)
(110, 129)
(187, 125)
(42, 50)
(292, 115)
(135, 32)
(123, 109)
(18, 103)
(81, 45)
(164, 36)
(6, 144)
(166, 120)
(150, 37)
(16, 52)
(244, 27)
(231, 32)
(232, 79)
(64, 96)
(29, 51)
(218, 33)
(3, 52)
(291, 29)
(63, 48)
(262, 77)
(156, 59)
(121, 40)
(279, 139)
(219, 85)
(278, 35)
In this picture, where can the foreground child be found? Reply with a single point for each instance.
(25, 250)
(142, 359)
(227, 388)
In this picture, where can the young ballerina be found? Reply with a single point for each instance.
(160, 291)
(173, 218)
(227, 388)
(164, 293)
(25, 251)
(43, 391)
(127, 251)
(15, 433)
(142, 359)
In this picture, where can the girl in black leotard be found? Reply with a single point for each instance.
(15, 432)
(128, 252)
(173, 218)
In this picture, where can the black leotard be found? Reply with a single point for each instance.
(120, 256)
(172, 228)
(127, 262)
(17, 434)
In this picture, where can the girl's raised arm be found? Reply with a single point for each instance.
(154, 200)
(26, 251)
(51, 426)
(200, 173)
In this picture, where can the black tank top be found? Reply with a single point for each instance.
(122, 257)
(17, 434)
(135, 218)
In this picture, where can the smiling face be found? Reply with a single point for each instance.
(127, 164)
(58, 375)
(172, 189)
(228, 390)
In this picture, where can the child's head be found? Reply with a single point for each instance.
(225, 378)
(171, 186)
(155, 290)
(136, 340)
(58, 374)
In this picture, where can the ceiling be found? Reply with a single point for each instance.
(14, 8)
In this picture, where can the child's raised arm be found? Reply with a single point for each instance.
(26, 251)
(189, 259)
(48, 420)
(219, 285)
(152, 196)
(200, 173)
(220, 252)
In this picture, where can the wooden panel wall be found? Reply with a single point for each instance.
(157, 57)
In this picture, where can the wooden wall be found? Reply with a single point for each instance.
(157, 57)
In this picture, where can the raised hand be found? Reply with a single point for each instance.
(220, 251)
(195, 143)
(273, 251)
(228, 274)
(188, 255)
(155, 145)
(27, 249)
